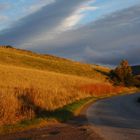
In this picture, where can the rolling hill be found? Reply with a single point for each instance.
(28, 59)
(31, 83)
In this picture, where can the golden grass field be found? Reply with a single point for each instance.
(26, 87)
(29, 59)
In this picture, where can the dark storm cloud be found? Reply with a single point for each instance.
(106, 41)
(44, 20)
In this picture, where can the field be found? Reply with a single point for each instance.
(27, 59)
(31, 84)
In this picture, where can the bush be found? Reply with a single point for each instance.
(136, 81)
(122, 74)
(101, 89)
(6, 46)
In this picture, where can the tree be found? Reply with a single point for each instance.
(122, 74)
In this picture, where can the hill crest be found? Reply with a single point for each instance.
(29, 59)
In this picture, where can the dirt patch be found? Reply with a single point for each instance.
(55, 132)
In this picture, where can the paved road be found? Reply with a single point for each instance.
(117, 118)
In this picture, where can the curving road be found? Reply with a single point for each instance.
(117, 118)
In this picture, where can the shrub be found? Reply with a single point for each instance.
(136, 81)
(101, 89)
(6, 46)
(122, 74)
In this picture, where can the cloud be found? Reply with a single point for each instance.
(71, 21)
(3, 18)
(77, 15)
(105, 41)
(42, 25)
(88, 8)
(35, 7)
(4, 6)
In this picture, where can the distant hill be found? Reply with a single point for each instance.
(136, 69)
(28, 59)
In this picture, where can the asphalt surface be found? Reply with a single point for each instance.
(116, 118)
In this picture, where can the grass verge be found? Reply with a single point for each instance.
(46, 117)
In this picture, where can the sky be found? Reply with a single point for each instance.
(92, 31)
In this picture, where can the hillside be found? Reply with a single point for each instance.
(136, 69)
(27, 59)
(31, 84)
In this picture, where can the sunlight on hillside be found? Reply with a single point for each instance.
(30, 82)
(22, 58)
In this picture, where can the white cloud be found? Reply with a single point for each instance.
(41, 3)
(88, 8)
(71, 21)
(3, 18)
(77, 15)
(4, 6)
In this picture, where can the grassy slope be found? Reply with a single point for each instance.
(47, 62)
(51, 82)
(32, 84)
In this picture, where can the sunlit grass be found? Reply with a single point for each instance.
(23, 90)
(46, 62)
(32, 85)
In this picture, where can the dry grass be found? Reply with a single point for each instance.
(29, 59)
(101, 89)
(23, 91)
(28, 87)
